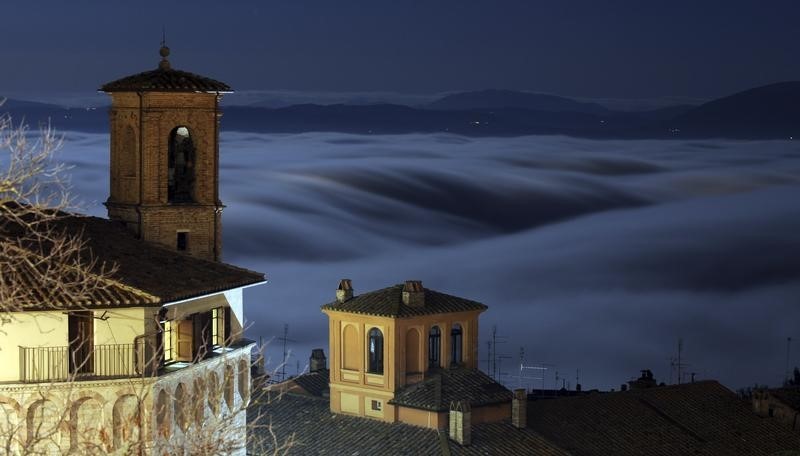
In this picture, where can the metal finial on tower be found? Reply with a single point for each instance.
(164, 51)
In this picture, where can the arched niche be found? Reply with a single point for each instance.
(126, 421)
(351, 348)
(413, 361)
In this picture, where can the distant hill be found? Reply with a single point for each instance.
(35, 114)
(771, 111)
(497, 99)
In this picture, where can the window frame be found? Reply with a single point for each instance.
(456, 344)
(375, 350)
(434, 347)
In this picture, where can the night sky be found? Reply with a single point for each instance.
(613, 49)
(592, 255)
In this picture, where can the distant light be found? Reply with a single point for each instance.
(183, 131)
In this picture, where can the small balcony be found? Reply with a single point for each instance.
(56, 364)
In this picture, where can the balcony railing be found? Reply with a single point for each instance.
(47, 364)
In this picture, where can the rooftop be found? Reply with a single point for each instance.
(788, 395)
(702, 418)
(146, 273)
(165, 79)
(444, 386)
(388, 302)
(317, 431)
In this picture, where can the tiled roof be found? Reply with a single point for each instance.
(30, 294)
(445, 386)
(388, 302)
(317, 431)
(702, 418)
(502, 438)
(165, 80)
(146, 273)
(789, 396)
(314, 383)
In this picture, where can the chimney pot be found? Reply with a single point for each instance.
(460, 421)
(519, 409)
(317, 361)
(414, 293)
(345, 290)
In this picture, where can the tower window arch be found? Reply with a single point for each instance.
(181, 164)
(375, 346)
(434, 346)
(456, 344)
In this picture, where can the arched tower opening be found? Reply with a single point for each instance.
(180, 166)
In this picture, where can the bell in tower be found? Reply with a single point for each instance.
(165, 158)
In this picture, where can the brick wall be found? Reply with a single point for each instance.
(140, 134)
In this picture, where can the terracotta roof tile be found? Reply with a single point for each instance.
(147, 274)
(165, 80)
(316, 430)
(388, 302)
(703, 418)
(444, 386)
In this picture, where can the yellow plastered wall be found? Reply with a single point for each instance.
(119, 326)
(51, 329)
(28, 329)
(353, 389)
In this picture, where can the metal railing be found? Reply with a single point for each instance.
(45, 364)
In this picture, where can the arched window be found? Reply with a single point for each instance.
(375, 351)
(180, 174)
(456, 344)
(434, 346)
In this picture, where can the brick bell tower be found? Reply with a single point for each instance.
(165, 158)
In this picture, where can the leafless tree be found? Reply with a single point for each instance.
(45, 267)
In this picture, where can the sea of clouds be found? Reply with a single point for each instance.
(592, 255)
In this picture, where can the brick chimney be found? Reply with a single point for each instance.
(414, 293)
(345, 290)
(317, 361)
(519, 409)
(460, 422)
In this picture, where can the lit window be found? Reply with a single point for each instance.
(218, 326)
(169, 351)
(375, 351)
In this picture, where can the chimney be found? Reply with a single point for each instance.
(460, 422)
(317, 361)
(345, 290)
(519, 409)
(413, 293)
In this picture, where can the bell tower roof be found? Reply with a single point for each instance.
(165, 79)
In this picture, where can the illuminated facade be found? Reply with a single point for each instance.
(152, 361)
